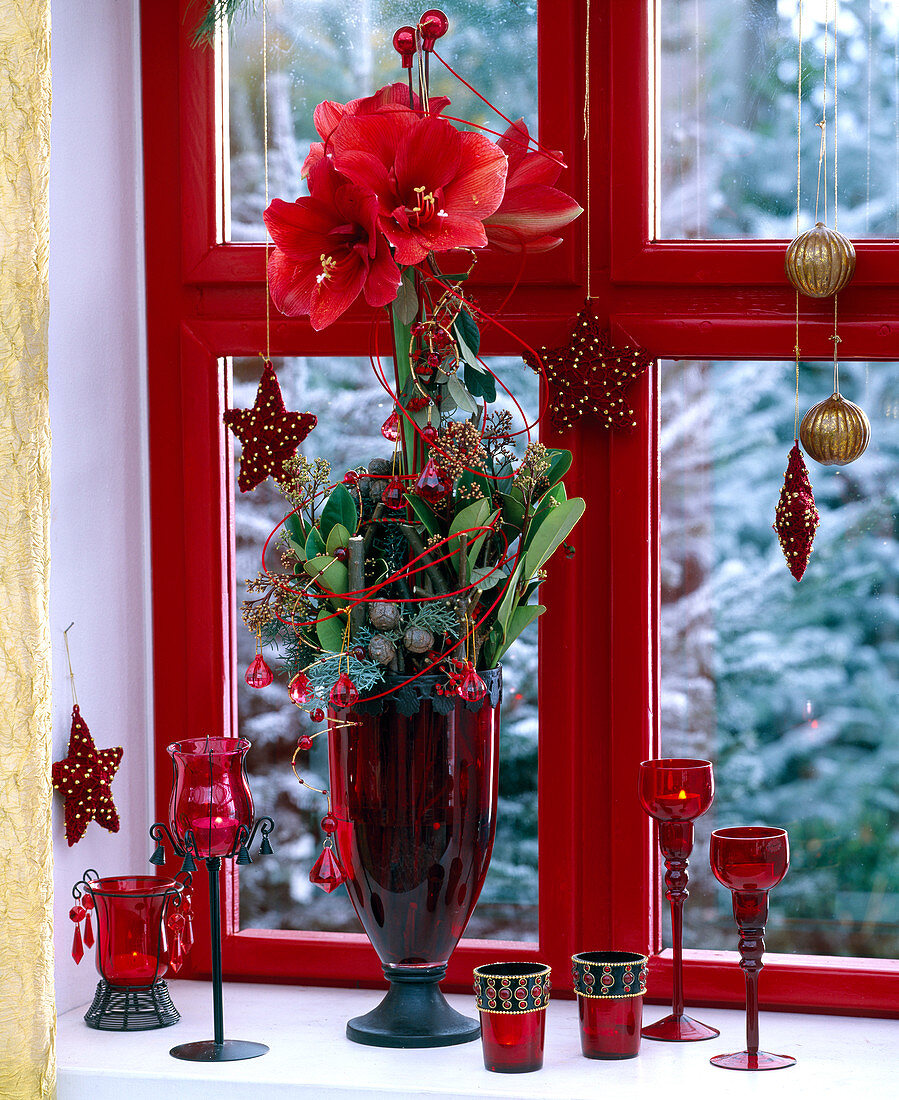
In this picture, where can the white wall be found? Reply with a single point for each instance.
(99, 547)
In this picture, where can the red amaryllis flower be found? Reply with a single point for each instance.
(328, 114)
(532, 210)
(435, 185)
(328, 250)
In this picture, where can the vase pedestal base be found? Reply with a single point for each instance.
(679, 1029)
(413, 1014)
(208, 1050)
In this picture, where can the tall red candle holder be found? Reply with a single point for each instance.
(675, 792)
(750, 860)
(134, 950)
(211, 818)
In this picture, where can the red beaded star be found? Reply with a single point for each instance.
(84, 777)
(588, 376)
(796, 517)
(269, 433)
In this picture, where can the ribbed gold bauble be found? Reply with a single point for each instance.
(835, 432)
(820, 261)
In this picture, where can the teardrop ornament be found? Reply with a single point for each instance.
(471, 688)
(300, 689)
(259, 675)
(327, 872)
(394, 494)
(390, 429)
(434, 483)
(344, 694)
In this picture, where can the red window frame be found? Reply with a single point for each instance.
(598, 877)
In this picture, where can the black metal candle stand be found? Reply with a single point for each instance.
(124, 1008)
(218, 1049)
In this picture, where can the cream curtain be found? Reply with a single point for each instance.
(27, 1020)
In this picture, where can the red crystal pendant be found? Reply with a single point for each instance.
(434, 483)
(305, 743)
(76, 913)
(344, 693)
(259, 675)
(394, 494)
(472, 687)
(326, 872)
(429, 434)
(390, 429)
(300, 689)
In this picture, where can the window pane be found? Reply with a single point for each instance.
(351, 406)
(727, 116)
(341, 50)
(789, 688)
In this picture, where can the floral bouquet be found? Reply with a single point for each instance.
(427, 558)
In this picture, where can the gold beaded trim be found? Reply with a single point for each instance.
(540, 973)
(606, 997)
(513, 1011)
(642, 961)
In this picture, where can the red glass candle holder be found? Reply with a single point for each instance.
(610, 987)
(676, 791)
(210, 808)
(133, 949)
(751, 860)
(512, 999)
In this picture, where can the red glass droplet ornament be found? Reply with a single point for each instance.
(259, 675)
(77, 946)
(329, 824)
(351, 477)
(404, 44)
(300, 689)
(317, 715)
(434, 483)
(341, 553)
(359, 653)
(175, 921)
(433, 25)
(304, 743)
(394, 494)
(344, 693)
(429, 434)
(390, 429)
(76, 913)
(326, 872)
(472, 687)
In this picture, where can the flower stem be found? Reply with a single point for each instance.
(402, 372)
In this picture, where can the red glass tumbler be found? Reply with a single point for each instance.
(610, 987)
(750, 861)
(675, 792)
(512, 999)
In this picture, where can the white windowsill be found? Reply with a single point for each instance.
(837, 1056)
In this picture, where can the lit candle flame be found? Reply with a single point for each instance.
(682, 794)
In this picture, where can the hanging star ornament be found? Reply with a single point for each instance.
(83, 777)
(589, 377)
(269, 433)
(796, 517)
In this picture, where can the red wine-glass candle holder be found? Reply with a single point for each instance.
(750, 861)
(675, 792)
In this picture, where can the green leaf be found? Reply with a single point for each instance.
(559, 465)
(328, 572)
(315, 544)
(491, 647)
(480, 383)
(461, 396)
(467, 329)
(405, 305)
(330, 632)
(475, 548)
(471, 516)
(425, 513)
(551, 533)
(295, 528)
(339, 508)
(510, 599)
(513, 507)
(550, 500)
(487, 577)
(339, 536)
(521, 619)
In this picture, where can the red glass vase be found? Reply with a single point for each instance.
(414, 789)
(210, 808)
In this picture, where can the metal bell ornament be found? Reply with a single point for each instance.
(835, 432)
(820, 262)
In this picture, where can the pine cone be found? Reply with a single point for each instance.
(381, 649)
(418, 639)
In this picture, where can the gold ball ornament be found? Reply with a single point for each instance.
(820, 262)
(835, 432)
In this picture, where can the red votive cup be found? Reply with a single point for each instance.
(610, 987)
(512, 999)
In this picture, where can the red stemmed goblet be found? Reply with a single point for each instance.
(675, 792)
(749, 861)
